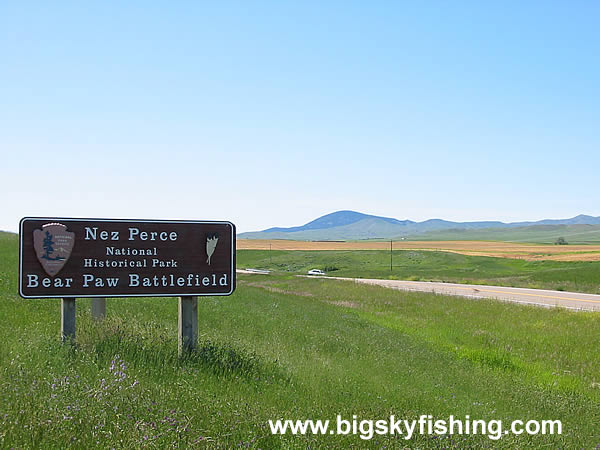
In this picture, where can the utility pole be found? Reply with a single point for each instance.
(391, 261)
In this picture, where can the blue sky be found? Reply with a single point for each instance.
(273, 113)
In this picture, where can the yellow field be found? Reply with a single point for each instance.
(530, 252)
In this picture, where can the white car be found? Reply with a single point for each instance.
(316, 272)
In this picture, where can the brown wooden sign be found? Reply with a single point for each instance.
(125, 258)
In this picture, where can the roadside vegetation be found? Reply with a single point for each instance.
(415, 265)
(291, 348)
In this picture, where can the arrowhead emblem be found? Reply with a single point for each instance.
(53, 245)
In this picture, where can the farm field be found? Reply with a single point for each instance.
(528, 252)
(285, 347)
(418, 265)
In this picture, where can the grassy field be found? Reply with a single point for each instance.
(284, 347)
(527, 252)
(583, 276)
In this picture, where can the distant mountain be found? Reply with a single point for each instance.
(336, 219)
(581, 219)
(352, 225)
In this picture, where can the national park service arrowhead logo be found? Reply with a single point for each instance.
(53, 245)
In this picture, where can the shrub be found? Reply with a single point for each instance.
(561, 241)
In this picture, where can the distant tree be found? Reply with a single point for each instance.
(561, 241)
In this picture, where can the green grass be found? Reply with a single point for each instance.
(285, 347)
(415, 265)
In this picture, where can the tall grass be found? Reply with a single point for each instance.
(282, 347)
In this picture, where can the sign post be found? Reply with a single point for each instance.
(187, 324)
(98, 308)
(99, 258)
(67, 320)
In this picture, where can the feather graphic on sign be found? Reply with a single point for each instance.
(211, 244)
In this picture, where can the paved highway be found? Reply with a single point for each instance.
(539, 297)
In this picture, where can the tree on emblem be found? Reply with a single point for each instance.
(48, 245)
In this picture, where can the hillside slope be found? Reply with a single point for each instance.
(538, 234)
(351, 225)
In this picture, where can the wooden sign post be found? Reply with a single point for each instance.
(99, 258)
(98, 308)
(67, 320)
(187, 324)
